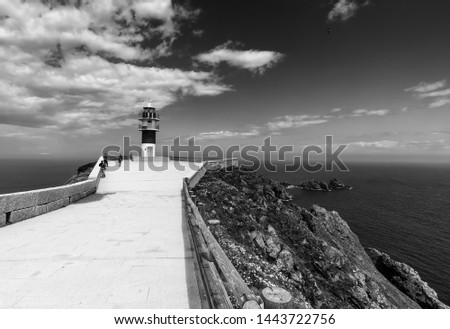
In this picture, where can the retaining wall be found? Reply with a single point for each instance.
(15, 207)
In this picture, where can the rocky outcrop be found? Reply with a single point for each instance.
(82, 173)
(406, 279)
(316, 185)
(337, 185)
(312, 253)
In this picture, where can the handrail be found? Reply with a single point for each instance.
(222, 281)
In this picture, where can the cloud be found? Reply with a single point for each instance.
(440, 144)
(424, 87)
(383, 144)
(438, 93)
(303, 120)
(91, 91)
(361, 112)
(198, 33)
(253, 60)
(439, 103)
(336, 110)
(345, 9)
(431, 90)
(80, 67)
(227, 134)
(295, 121)
(108, 27)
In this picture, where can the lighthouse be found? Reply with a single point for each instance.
(149, 125)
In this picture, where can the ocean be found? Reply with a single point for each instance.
(400, 209)
(29, 174)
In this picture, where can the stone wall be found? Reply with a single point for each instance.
(15, 207)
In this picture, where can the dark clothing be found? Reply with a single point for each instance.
(102, 168)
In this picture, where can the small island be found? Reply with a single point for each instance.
(317, 185)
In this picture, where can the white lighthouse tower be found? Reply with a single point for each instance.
(149, 125)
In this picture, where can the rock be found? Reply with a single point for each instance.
(337, 185)
(406, 279)
(87, 168)
(297, 277)
(82, 173)
(285, 260)
(259, 241)
(324, 186)
(262, 220)
(271, 230)
(273, 248)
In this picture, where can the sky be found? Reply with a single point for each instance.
(374, 74)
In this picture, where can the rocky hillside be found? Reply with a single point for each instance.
(310, 252)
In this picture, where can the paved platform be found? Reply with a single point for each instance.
(125, 247)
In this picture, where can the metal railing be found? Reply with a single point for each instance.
(154, 116)
(149, 127)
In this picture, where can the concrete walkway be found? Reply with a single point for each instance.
(125, 247)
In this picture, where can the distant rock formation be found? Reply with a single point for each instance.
(311, 253)
(406, 279)
(317, 185)
(337, 185)
(83, 173)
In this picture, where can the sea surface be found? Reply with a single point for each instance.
(400, 209)
(29, 174)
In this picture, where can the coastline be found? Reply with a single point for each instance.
(251, 210)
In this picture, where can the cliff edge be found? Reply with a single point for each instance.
(312, 253)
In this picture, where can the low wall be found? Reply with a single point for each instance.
(15, 207)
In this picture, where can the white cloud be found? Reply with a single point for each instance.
(344, 9)
(439, 103)
(79, 88)
(383, 144)
(102, 26)
(361, 112)
(424, 87)
(336, 110)
(429, 144)
(226, 134)
(89, 91)
(253, 60)
(438, 93)
(431, 90)
(295, 121)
